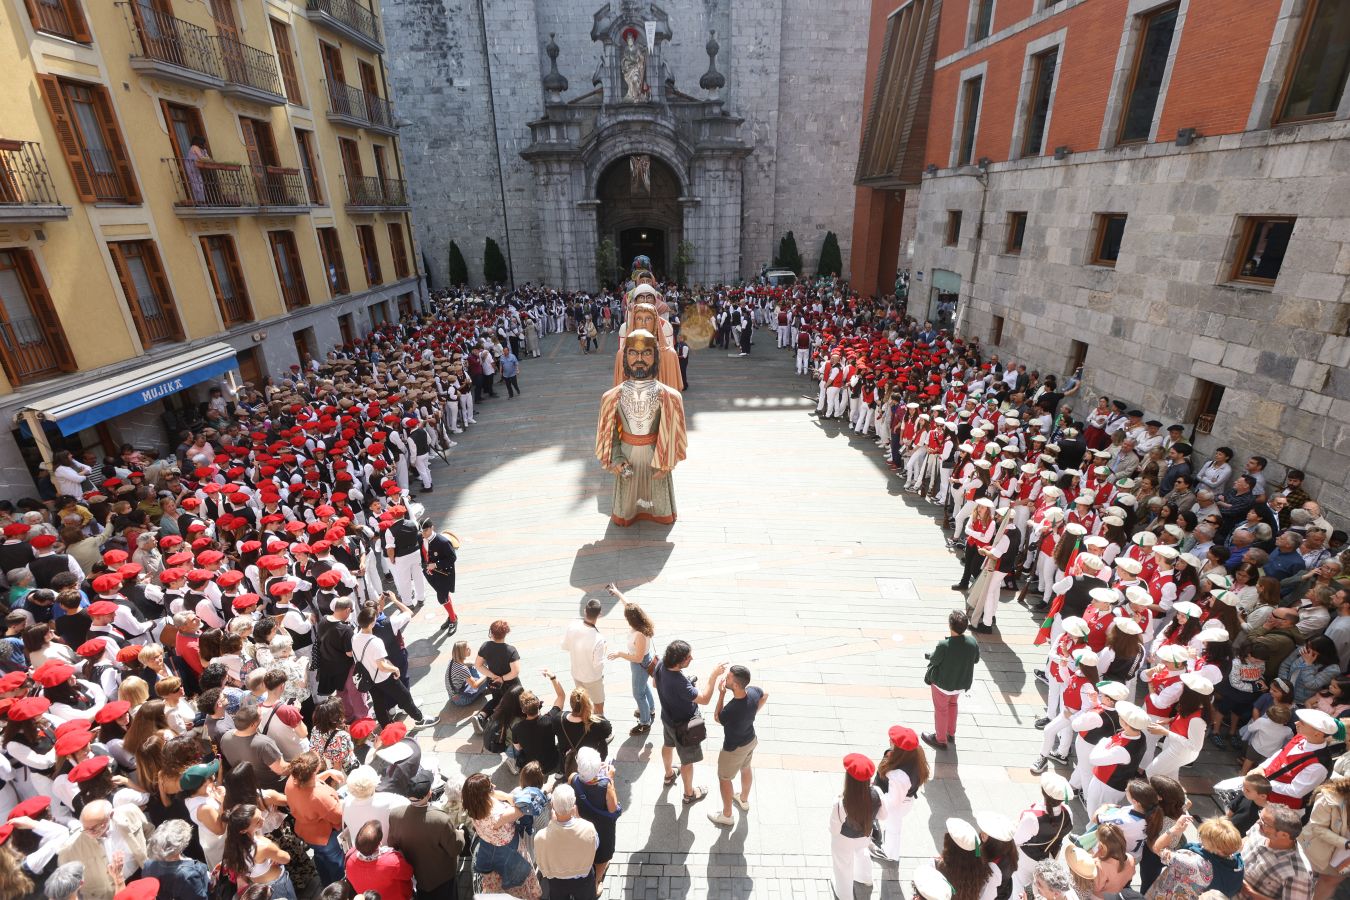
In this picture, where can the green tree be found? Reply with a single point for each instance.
(831, 262)
(459, 269)
(494, 264)
(684, 260)
(606, 263)
(788, 256)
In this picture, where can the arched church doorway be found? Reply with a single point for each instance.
(640, 210)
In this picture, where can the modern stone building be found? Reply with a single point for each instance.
(1157, 191)
(736, 123)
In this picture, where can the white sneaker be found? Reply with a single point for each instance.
(452, 443)
(718, 819)
(457, 431)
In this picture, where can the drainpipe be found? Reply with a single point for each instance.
(983, 179)
(496, 143)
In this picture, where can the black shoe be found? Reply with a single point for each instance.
(1042, 722)
(1059, 759)
(639, 729)
(931, 740)
(1040, 765)
(960, 587)
(983, 629)
(1040, 676)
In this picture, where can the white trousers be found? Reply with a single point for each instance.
(1097, 794)
(852, 862)
(408, 579)
(822, 398)
(782, 336)
(423, 466)
(946, 485)
(401, 471)
(991, 598)
(835, 398)
(914, 467)
(803, 361)
(1056, 737)
(466, 407)
(1170, 759)
(1054, 700)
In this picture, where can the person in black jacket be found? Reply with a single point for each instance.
(439, 567)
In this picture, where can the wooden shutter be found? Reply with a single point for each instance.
(160, 280)
(215, 279)
(398, 250)
(237, 276)
(79, 28)
(129, 290)
(250, 140)
(289, 77)
(67, 136)
(40, 302)
(112, 136)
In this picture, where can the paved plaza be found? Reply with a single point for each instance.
(793, 554)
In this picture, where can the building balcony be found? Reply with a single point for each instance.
(349, 105)
(349, 19)
(370, 194)
(250, 73)
(28, 352)
(205, 189)
(172, 49)
(26, 190)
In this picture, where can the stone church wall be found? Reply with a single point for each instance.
(794, 69)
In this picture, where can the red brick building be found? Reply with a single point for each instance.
(1154, 189)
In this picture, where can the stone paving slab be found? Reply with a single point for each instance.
(785, 558)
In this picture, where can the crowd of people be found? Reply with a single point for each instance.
(1182, 603)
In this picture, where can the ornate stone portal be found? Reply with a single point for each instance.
(637, 161)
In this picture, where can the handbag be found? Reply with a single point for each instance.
(693, 732)
(651, 667)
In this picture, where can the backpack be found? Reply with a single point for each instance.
(494, 736)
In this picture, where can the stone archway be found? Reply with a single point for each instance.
(641, 221)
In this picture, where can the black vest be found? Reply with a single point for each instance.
(407, 537)
(1110, 725)
(45, 568)
(1050, 832)
(14, 556)
(1078, 596)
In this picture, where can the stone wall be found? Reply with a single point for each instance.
(1166, 316)
(794, 71)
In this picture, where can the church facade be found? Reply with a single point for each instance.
(695, 132)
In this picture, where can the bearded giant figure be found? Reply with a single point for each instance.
(641, 436)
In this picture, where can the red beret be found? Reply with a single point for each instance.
(210, 558)
(73, 741)
(16, 529)
(168, 541)
(328, 580)
(295, 526)
(359, 730)
(181, 558)
(92, 648)
(26, 708)
(200, 576)
(115, 557)
(230, 578)
(244, 601)
(393, 733)
(89, 768)
(111, 712)
(129, 571)
(301, 547)
(12, 681)
(140, 889)
(5, 831)
(43, 541)
(128, 653)
(282, 587)
(271, 561)
(859, 767)
(903, 738)
(169, 576)
(250, 546)
(289, 715)
(50, 674)
(196, 528)
(33, 806)
(190, 503)
(107, 583)
(102, 608)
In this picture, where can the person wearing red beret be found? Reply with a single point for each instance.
(902, 772)
(46, 563)
(851, 821)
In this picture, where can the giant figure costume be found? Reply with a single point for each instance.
(641, 436)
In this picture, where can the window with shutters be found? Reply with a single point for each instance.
(32, 343)
(63, 18)
(309, 165)
(333, 265)
(370, 254)
(185, 123)
(290, 74)
(290, 274)
(398, 250)
(227, 279)
(90, 140)
(147, 291)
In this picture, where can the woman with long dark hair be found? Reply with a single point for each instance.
(1185, 625)
(902, 771)
(1174, 804)
(1311, 668)
(1184, 732)
(1041, 829)
(1140, 818)
(497, 855)
(960, 861)
(639, 655)
(851, 823)
(251, 858)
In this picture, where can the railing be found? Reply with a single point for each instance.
(374, 191)
(26, 349)
(276, 186)
(234, 308)
(24, 179)
(105, 176)
(157, 325)
(1205, 424)
(249, 66)
(204, 184)
(52, 18)
(349, 13)
(351, 101)
(171, 40)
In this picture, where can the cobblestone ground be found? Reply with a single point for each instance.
(795, 554)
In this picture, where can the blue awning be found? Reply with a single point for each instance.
(79, 408)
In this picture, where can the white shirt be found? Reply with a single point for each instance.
(587, 647)
(368, 650)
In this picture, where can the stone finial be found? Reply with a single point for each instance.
(712, 79)
(554, 82)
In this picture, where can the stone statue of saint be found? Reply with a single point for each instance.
(641, 437)
(633, 67)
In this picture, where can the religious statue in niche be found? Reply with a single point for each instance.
(633, 67)
(640, 174)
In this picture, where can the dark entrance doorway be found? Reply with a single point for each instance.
(643, 241)
(641, 215)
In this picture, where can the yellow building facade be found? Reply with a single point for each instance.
(188, 189)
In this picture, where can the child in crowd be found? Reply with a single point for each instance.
(1266, 735)
(1244, 810)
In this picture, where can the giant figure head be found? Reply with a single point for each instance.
(639, 355)
(645, 318)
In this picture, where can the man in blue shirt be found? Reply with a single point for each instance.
(737, 718)
(1286, 560)
(680, 701)
(510, 370)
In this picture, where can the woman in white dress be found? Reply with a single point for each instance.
(903, 770)
(851, 821)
